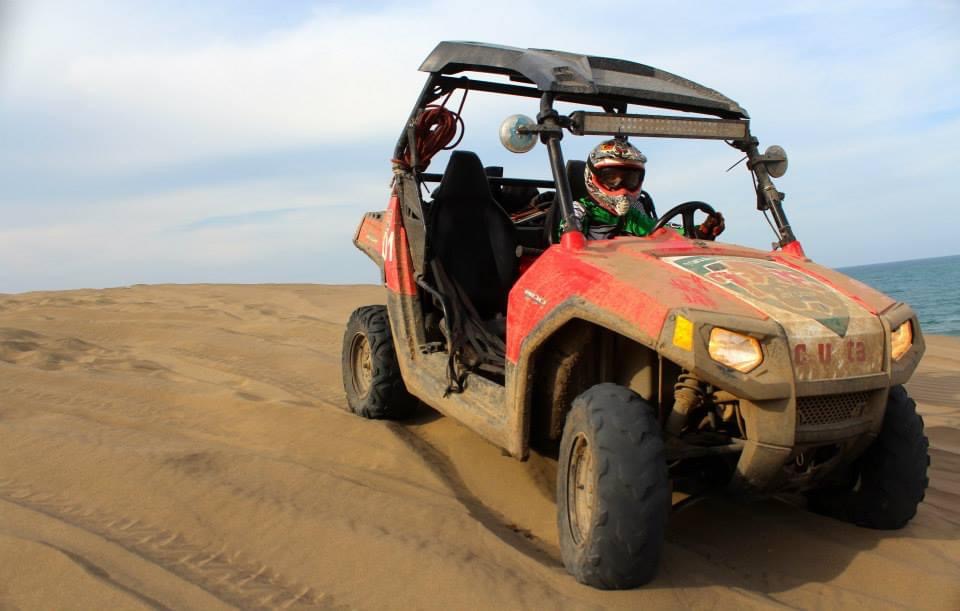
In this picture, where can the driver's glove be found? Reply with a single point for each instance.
(711, 227)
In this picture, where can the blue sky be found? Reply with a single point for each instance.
(240, 141)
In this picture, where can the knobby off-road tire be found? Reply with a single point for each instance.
(613, 494)
(371, 374)
(890, 479)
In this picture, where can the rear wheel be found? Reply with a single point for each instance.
(613, 494)
(371, 374)
(890, 479)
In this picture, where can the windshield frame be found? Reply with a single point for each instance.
(551, 126)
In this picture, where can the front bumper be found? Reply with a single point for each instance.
(786, 417)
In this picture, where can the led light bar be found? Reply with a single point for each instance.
(654, 126)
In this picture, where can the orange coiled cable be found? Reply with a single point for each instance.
(434, 130)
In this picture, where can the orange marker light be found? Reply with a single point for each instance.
(683, 334)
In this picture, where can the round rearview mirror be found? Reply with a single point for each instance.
(514, 141)
(776, 161)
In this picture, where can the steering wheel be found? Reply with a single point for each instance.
(686, 209)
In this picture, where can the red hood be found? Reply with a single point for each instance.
(641, 279)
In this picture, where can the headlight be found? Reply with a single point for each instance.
(901, 339)
(735, 350)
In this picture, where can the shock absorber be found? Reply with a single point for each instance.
(687, 396)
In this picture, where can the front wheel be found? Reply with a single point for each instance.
(890, 479)
(371, 374)
(613, 495)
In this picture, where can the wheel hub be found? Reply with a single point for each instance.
(361, 360)
(580, 489)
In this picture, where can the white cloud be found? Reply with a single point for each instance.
(848, 88)
(117, 242)
(336, 77)
(155, 106)
(340, 75)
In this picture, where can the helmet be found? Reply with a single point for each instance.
(614, 175)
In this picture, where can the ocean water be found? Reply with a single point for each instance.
(930, 286)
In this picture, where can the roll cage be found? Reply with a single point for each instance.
(612, 85)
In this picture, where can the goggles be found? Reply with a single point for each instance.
(620, 178)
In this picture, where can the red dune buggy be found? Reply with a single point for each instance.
(647, 365)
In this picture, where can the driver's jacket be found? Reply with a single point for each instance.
(599, 224)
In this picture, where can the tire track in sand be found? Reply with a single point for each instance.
(518, 538)
(223, 574)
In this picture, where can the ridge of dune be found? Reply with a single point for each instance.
(187, 446)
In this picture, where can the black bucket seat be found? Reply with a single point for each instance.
(472, 245)
(472, 237)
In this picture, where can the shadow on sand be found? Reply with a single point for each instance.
(763, 547)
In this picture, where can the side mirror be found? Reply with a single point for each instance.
(514, 141)
(775, 158)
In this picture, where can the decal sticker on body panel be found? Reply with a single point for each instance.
(829, 334)
(773, 284)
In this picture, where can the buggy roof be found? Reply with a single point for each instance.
(575, 77)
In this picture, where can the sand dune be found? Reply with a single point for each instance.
(187, 447)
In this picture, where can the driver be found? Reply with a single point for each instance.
(613, 177)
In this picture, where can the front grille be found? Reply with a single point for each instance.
(830, 409)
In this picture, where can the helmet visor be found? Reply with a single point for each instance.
(620, 178)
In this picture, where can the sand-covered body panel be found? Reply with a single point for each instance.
(830, 335)
(830, 321)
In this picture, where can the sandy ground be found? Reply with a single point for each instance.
(187, 447)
